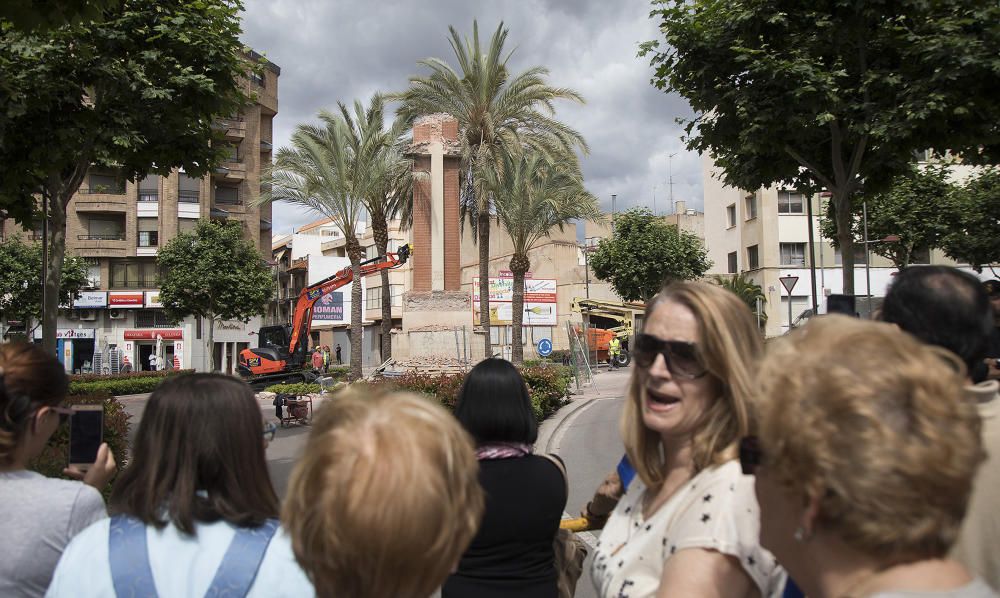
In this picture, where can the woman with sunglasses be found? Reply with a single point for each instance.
(865, 461)
(194, 513)
(40, 515)
(688, 524)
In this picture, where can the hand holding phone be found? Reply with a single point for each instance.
(100, 472)
(90, 459)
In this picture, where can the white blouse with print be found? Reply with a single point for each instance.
(715, 510)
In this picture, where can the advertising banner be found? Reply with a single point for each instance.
(91, 300)
(178, 355)
(126, 299)
(329, 308)
(539, 301)
(153, 299)
(153, 334)
(62, 333)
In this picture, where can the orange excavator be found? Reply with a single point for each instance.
(283, 349)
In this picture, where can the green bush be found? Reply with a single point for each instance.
(128, 376)
(121, 384)
(297, 388)
(55, 456)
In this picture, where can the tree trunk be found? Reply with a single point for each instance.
(519, 265)
(483, 230)
(53, 276)
(211, 343)
(845, 236)
(381, 233)
(354, 252)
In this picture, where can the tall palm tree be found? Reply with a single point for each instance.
(532, 195)
(318, 171)
(498, 114)
(382, 180)
(748, 291)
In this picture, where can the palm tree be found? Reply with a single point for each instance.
(382, 180)
(748, 291)
(532, 195)
(318, 172)
(498, 115)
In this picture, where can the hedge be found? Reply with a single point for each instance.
(122, 384)
(296, 388)
(55, 456)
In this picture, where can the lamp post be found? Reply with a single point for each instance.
(670, 177)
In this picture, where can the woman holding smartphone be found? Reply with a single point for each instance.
(40, 515)
(194, 513)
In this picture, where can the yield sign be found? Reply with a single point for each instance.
(789, 282)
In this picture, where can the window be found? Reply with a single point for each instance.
(751, 206)
(373, 297)
(106, 183)
(152, 318)
(149, 188)
(232, 153)
(257, 78)
(731, 215)
(93, 272)
(227, 195)
(189, 189)
(186, 225)
(148, 232)
(134, 275)
(753, 257)
(859, 255)
(792, 254)
(733, 265)
(790, 202)
(105, 229)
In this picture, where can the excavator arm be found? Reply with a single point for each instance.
(302, 318)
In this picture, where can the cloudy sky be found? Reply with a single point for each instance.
(342, 50)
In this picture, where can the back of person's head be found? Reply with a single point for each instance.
(198, 455)
(494, 404)
(385, 498)
(874, 425)
(29, 379)
(942, 306)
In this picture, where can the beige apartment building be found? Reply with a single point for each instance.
(118, 226)
(765, 233)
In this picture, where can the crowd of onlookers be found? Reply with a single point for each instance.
(846, 458)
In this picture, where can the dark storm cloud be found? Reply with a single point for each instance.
(340, 51)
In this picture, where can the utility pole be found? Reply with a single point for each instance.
(670, 179)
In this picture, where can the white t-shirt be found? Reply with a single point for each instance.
(714, 510)
(182, 565)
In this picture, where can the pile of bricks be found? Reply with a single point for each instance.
(427, 365)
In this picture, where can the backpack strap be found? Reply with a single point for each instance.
(130, 571)
(242, 560)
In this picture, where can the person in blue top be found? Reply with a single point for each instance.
(195, 513)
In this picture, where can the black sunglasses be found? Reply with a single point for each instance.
(681, 357)
(750, 454)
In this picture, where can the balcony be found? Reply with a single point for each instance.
(230, 171)
(234, 128)
(136, 282)
(265, 146)
(102, 237)
(188, 196)
(86, 201)
(101, 245)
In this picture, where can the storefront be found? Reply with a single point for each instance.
(75, 348)
(154, 349)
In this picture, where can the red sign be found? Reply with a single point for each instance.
(126, 299)
(509, 274)
(151, 335)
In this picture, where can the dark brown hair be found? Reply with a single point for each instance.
(30, 379)
(198, 456)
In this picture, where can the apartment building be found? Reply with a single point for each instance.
(765, 233)
(118, 226)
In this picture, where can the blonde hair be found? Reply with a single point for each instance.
(385, 498)
(729, 346)
(875, 424)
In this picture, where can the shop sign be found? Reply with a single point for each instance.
(540, 298)
(230, 325)
(116, 300)
(154, 334)
(91, 299)
(330, 308)
(178, 355)
(153, 299)
(70, 333)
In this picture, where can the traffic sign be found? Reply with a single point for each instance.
(544, 347)
(789, 282)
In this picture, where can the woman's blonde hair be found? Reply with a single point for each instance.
(875, 425)
(386, 497)
(729, 346)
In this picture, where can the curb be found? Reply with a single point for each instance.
(552, 425)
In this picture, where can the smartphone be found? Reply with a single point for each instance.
(86, 433)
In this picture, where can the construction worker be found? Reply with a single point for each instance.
(614, 348)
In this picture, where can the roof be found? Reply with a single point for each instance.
(280, 241)
(314, 224)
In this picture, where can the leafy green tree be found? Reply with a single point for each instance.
(382, 176)
(498, 114)
(643, 252)
(914, 211)
(46, 14)
(748, 291)
(137, 90)
(532, 196)
(20, 267)
(974, 239)
(831, 94)
(213, 273)
(320, 171)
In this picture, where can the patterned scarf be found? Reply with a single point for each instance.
(503, 450)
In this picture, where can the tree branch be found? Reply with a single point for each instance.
(822, 178)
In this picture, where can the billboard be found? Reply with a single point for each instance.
(91, 299)
(329, 308)
(539, 301)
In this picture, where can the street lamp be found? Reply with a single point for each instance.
(670, 177)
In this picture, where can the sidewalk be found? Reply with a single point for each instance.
(607, 384)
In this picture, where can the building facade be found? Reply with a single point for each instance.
(117, 226)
